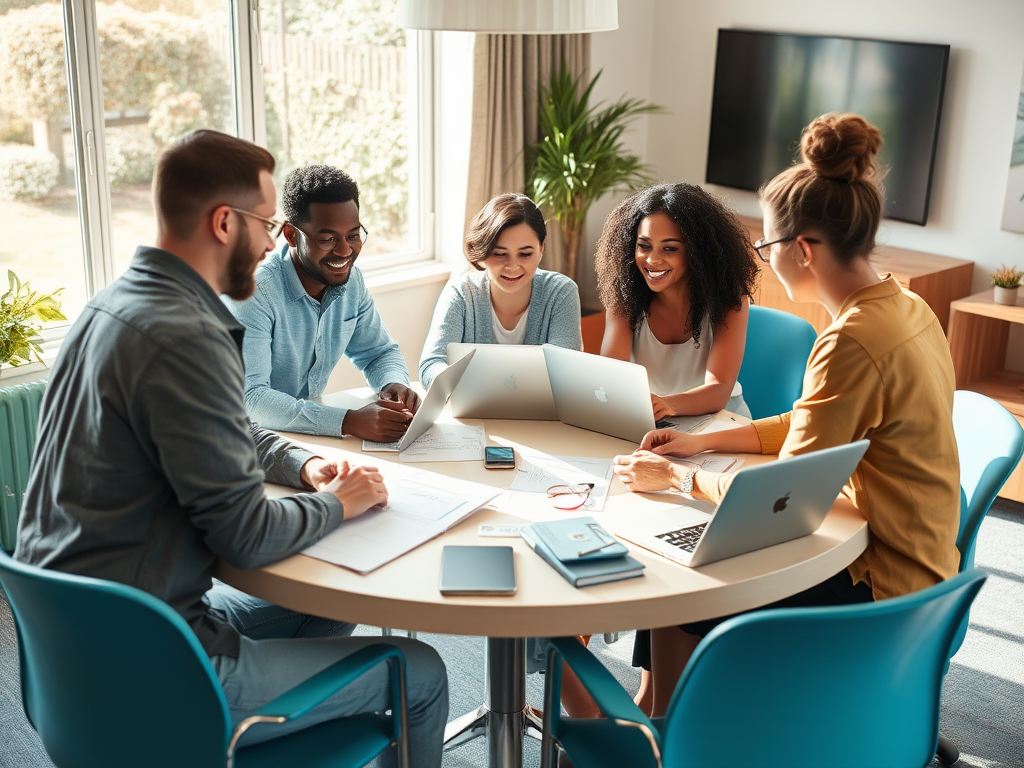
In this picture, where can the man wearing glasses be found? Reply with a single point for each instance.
(310, 307)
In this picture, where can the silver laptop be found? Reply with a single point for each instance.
(440, 390)
(600, 393)
(765, 505)
(504, 381)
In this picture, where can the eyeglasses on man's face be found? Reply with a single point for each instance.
(761, 244)
(355, 239)
(273, 226)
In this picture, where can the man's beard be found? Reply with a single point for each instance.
(242, 268)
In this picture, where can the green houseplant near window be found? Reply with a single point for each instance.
(22, 312)
(580, 156)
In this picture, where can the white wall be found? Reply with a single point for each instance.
(626, 58)
(672, 63)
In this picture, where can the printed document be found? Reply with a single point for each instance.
(421, 505)
(446, 441)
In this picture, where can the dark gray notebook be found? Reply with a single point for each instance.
(477, 571)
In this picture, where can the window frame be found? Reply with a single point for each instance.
(85, 100)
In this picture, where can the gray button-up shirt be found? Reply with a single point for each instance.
(146, 469)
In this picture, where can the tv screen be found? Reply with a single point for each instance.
(768, 86)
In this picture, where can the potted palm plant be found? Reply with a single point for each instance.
(22, 312)
(580, 156)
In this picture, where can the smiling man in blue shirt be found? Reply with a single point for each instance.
(310, 307)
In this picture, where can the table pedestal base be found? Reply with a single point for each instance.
(504, 718)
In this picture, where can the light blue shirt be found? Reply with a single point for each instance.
(292, 343)
(463, 314)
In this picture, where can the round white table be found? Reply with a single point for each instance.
(404, 593)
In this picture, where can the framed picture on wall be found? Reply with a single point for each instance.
(1013, 207)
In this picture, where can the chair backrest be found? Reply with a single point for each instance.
(19, 420)
(990, 442)
(774, 360)
(112, 676)
(806, 687)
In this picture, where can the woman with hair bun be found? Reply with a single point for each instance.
(675, 271)
(507, 299)
(880, 371)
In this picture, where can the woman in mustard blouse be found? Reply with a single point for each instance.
(880, 371)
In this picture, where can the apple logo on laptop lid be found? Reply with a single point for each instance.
(780, 504)
(510, 383)
(601, 395)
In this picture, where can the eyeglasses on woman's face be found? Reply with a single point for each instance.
(761, 244)
(354, 239)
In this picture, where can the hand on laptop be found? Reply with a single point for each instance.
(358, 489)
(661, 407)
(400, 393)
(384, 421)
(643, 471)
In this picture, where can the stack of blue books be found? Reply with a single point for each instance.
(582, 551)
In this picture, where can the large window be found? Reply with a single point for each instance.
(337, 91)
(38, 197)
(331, 81)
(165, 69)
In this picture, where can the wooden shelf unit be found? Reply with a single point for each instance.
(978, 332)
(938, 280)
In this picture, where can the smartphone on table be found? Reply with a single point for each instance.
(499, 457)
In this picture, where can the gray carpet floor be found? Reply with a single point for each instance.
(983, 698)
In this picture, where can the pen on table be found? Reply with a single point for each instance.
(583, 552)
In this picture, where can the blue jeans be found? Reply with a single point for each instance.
(281, 648)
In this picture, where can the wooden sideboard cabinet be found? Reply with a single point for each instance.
(938, 280)
(978, 331)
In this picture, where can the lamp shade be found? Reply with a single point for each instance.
(522, 17)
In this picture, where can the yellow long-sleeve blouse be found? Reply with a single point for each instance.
(882, 371)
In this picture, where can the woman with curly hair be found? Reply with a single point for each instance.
(675, 270)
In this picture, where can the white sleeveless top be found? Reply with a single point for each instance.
(674, 368)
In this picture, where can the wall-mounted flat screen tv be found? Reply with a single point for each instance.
(768, 86)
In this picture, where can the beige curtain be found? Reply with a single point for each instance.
(507, 73)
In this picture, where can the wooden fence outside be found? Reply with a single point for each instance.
(376, 69)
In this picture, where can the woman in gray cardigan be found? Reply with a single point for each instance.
(507, 300)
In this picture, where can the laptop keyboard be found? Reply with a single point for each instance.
(684, 538)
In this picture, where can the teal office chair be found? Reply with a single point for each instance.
(113, 677)
(990, 442)
(774, 360)
(797, 687)
(19, 419)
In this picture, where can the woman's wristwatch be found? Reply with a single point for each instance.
(686, 481)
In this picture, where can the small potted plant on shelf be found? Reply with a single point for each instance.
(1006, 281)
(22, 312)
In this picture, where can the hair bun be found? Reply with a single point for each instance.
(842, 147)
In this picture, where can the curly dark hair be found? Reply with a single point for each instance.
(719, 255)
(315, 184)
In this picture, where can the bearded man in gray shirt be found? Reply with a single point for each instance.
(146, 469)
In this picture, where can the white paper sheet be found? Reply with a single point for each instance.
(442, 442)
(421, 505)
(527, 495)
(447, 442)
(710, 463)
